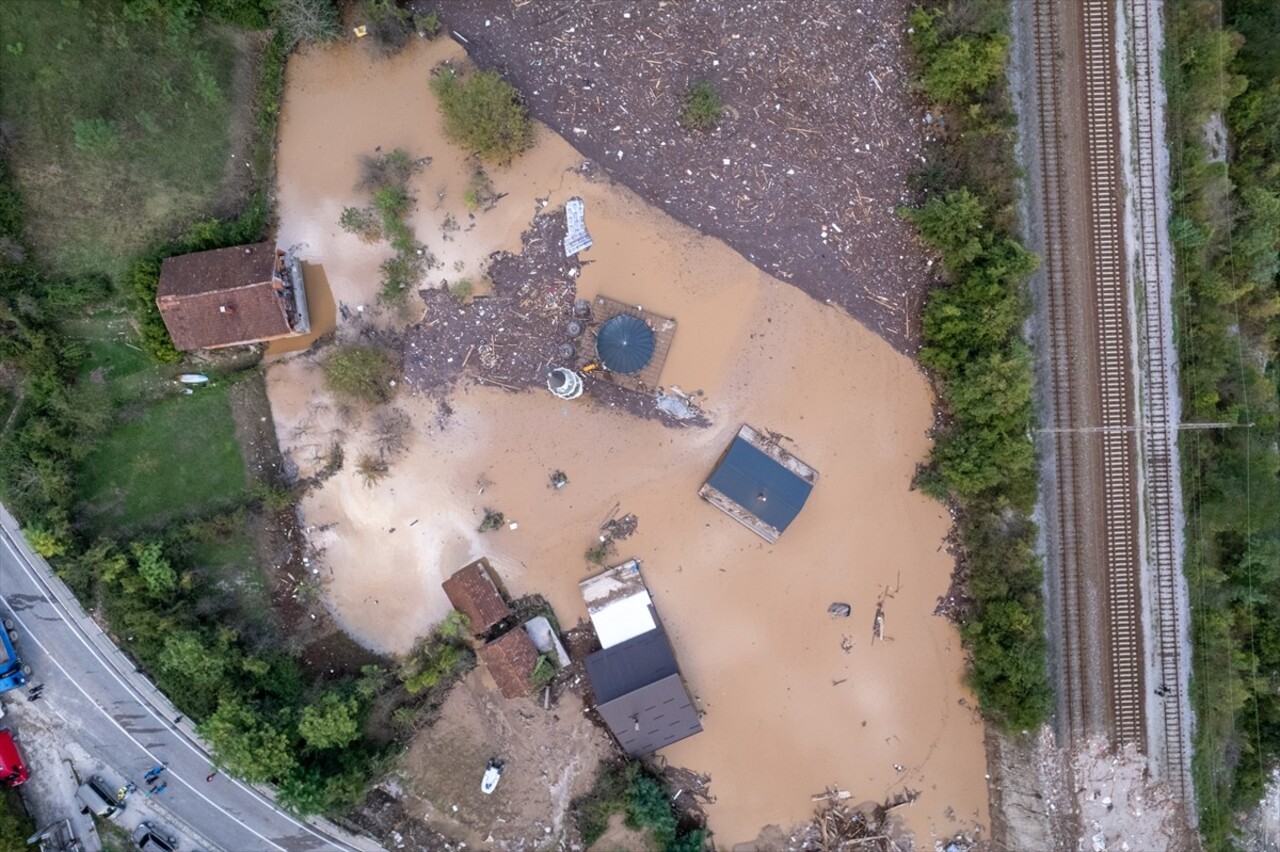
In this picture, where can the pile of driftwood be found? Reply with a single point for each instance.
(840, 827)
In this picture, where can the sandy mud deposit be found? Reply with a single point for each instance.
(795, 701)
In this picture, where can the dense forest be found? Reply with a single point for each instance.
(1224, 72)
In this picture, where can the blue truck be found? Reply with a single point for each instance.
(13, 673)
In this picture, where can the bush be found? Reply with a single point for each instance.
(543, 673)
(362, 222)
(361, 373)
(389, 25)
(95, 137)
(483, 113)
(493, 520)
(307, 21)
(702, 108)
(371, 469)
(428, 25)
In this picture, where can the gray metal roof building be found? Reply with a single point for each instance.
(759, 484)
(640, 695)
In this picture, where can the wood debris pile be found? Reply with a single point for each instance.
(811, 155)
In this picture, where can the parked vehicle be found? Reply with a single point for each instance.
(13, 673)
(492, 775)
(13, 769)
(149, 836)
(97, 798)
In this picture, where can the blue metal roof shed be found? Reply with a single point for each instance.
(759, 484)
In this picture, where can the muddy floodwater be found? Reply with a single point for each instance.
(795, 700)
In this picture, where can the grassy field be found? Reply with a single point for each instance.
(123, 129)
(172, 459)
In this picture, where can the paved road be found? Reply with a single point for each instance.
(115, 715)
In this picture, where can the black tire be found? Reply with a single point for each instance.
(26, 671)
(13, 636)
(8, 624)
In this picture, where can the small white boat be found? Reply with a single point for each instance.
(492, 774)
(194, 379)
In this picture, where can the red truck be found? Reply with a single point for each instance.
(13, 769)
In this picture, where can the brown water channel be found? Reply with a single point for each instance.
(795, 701)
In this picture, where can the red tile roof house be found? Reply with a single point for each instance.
(473, 592)
(232, 296)
(511, 660)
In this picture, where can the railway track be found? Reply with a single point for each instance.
(1053, 176)
(1099, 606)
(1159, 410)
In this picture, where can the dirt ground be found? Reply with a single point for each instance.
(819, 701)
(811, 157)
(549, 755)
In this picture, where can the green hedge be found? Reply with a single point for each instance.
(983, 461)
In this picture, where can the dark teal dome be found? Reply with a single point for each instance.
(625, 344)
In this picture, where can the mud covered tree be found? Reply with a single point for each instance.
(483, 113)
(360, 373)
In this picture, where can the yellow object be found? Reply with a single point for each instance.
(361, 31)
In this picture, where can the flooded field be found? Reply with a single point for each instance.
(795, 701)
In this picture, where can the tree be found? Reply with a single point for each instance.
(483, 113)
(194, 671)
(247, 744)
(952, 224)
(154, 569)
(45, 541)
(363, 373)
(331, 722)
(647, 807)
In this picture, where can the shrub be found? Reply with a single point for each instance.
(493, 519)
(479, 193)
(371, 469)
(389, 25)
(361, 373)
(483, 113)
(362, 222)
(462, 289)
(307, 21)
(702, 107)
(428, 25)
(45, 541)
(543, 673)
(95, 137)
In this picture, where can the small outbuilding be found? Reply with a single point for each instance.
(511, 660)
(638, 689)
(232, 296)
(759, 484)
(640, 695)
(473, 592)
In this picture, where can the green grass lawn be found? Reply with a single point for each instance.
(175, 458)
(122, 128)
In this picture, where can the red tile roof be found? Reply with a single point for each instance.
(511, 659)
(222, 297)
(473, 591)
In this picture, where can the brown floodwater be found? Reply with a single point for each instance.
(795, 701)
